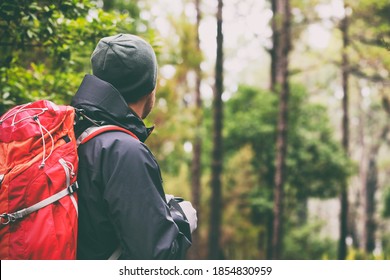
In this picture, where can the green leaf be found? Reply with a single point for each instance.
(30, 34)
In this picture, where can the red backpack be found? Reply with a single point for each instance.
(38, 172)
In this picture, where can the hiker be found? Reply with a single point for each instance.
(123, 209)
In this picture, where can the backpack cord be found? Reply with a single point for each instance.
(41, 128)
(83, 115)
(35, 117)
(20, 110)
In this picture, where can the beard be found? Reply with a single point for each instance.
(149, 104)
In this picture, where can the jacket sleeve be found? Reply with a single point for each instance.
(136, 202)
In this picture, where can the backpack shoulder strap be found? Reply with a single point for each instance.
(93, 131)
(87, 135)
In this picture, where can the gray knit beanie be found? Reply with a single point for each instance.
(128, 63)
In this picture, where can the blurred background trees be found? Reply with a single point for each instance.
(331, 50)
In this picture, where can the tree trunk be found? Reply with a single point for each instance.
(279, 72)
(342, 249)
(196, 167)
(275, 42)
(216, 168)
(369, 189)
(270, 234)
(369, 206)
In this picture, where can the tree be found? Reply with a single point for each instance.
(315, 159)
(279, 73)
(216, 165)
(342, 251)
(196, 167)
(369, 32)
(368, 68)
(42, 55)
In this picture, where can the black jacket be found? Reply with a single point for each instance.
(121, 196)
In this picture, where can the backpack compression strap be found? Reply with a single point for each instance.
(12, 217)
(7, 218)
(93, 131)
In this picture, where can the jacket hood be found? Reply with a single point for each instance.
(103, 103)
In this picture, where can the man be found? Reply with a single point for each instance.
(122, 204)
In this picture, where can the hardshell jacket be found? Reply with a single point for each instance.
(121, 197)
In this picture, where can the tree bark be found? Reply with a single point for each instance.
(196, 168)
(369, 206)
(275, 42)
(369, 189)
(279, 72)
(216, 168)
(342, 248)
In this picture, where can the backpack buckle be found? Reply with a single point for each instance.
(6, 218)
(72, 188)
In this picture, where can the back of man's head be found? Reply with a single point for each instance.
(128, 63)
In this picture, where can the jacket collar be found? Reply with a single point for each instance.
(102, 102)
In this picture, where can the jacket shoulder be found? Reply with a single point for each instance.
(119, 144)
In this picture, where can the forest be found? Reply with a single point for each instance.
(271, 116)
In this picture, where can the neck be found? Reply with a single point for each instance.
(137, 108)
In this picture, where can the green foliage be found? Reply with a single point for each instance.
(377, 12)
(173, 127)
(251, 119)
(386, 203)
(358, 254)
(27, 25)
(315, 161)
(239, 234)
(370, 38)
(305, 243)
(45, 47)
(44, 52)
(19, 85)
(174, 115)
(386, 246)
